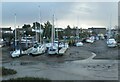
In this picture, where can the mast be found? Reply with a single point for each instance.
(57, 30)
(77, 29)
(53, 30)
(15, 31)
(52, 38)
(109, 30)
(40, 24)
(36, 31)
(77, 34)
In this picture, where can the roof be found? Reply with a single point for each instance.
(96, 28)
(6, 29)
(59, 29)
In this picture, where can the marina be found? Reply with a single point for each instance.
(54, 41)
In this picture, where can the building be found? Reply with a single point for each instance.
(59, 29)
(6, 35)
(85, 30)
(6, 30)
(97, 31)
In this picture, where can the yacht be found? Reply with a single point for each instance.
(17, 52)
(52, 47)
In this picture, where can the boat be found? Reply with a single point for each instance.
(59, 44)
(17, 52)
(52, 47)
(90, 39)
(38, 48)
(53, 50)
(111, 42)
(1, 42)
(78, 43)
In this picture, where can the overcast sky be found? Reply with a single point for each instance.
(81, 14)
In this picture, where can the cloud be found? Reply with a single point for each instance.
(89, 13)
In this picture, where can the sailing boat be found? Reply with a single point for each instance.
(57, 42)
(17, 52)
(41, 48)
(111, 42)
(78, 43)
(38, 48)
(52, 49)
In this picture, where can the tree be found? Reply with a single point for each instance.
(36, 24)
(27, 29)
(60, 34)
(47, 30)
(67, 31)
(84, 34)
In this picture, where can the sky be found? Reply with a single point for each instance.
(81, 14)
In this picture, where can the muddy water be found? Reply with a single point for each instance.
(70, 70)
(76, 64)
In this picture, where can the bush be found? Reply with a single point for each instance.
(118, 38)
(27, 79)
(6, 71)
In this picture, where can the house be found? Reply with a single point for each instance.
(96, 31)
(6, 35)
(85, 30)
(6, 30)
(59, 29)
(76, 31)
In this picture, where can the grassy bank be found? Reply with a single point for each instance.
(6, 71)
(28, 79)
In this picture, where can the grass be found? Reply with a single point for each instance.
(28, 79)
(6, 71)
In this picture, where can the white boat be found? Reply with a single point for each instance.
(40, 49)
(48, 45)
(37, 49)
(16, 53)
(1, 42)
(53, 50)
(79, 44)
(52, 47)
(59, 44)
(111, 42)
(77, 41)
(66, 45)
(90, 39)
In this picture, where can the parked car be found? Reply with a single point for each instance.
(111, 42)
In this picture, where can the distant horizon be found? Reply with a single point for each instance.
(60, 27)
